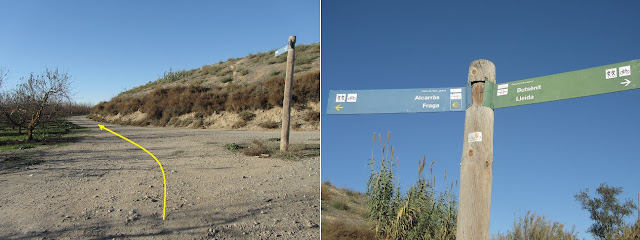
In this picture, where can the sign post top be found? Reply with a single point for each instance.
(482, 70)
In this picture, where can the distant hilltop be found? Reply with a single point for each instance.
(240, 93)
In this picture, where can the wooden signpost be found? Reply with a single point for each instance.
(481, 96)
(286, 103)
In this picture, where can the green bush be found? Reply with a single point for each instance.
(172, 76)
(339, 204)
(606, 211)
(233, 146)
(243, 71)
(421, 213)
(226, 79)
(275, 73)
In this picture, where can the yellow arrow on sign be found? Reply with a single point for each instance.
(339, 107)
(102, 127)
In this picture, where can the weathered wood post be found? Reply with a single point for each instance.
(286, 103)
(477, 158)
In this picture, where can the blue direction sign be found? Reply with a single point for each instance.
(398, 100)
(282, 50)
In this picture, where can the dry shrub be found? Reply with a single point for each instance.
(312, 116)
(247, 116)
(340, 230)
(631, 231)
(340, 204)
(306, 87)
(210, 101)
(239, 124)
(256, 149)
(325, 191)
(275, 89)
(536, 227)
(246, 97)
(163, 104)
(131, 105)
(269, 124)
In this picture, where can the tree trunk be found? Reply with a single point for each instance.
(36, 116)
(29, 133)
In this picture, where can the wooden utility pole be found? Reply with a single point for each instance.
(477, 158)
(286, 103)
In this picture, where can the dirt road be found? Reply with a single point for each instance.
(104, 187)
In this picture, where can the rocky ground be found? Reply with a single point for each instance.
(103, 187)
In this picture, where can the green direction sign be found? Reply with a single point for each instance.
(592, 81)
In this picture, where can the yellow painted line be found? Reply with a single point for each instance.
(102, 127)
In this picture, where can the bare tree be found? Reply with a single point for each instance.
(43, 94)
(14, 109)
(6, 99)
(3, 75)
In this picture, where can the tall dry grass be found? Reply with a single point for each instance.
(163, 104)
(341, 230)
(534, 227)
(421, 213)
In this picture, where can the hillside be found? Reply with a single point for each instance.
(240, 93)
(344, 214)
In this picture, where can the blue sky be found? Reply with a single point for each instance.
(543, 153)
(112, 46)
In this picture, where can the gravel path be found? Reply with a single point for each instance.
(104, 187)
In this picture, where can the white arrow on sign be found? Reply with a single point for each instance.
(626, 82)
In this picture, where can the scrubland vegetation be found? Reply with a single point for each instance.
(271, 148)
(426, 212)
(238, 87)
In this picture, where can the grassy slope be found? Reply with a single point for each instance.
(344, 214)
(200, 97)
(249, 69)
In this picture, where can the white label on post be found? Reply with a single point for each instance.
(475, 137)
(503, 89)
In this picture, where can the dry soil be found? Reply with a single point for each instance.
(103, 187)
